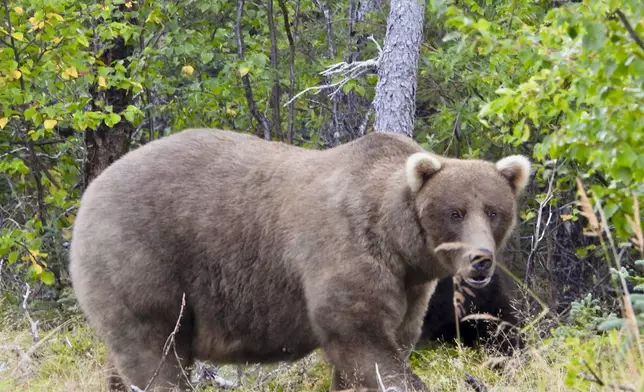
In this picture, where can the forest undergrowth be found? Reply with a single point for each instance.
(68, 356)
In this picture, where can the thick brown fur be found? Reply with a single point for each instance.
(281, 250)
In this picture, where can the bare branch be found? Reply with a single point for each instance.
(638, 40)
(539, 233)
(348, 71)
(596, 379)
(246, 79)
(33, 324)
(168, 343)
(39, 142)
(291, 68)
(275, 92)
(329, 26)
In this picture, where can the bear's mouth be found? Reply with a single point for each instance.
(478, 281)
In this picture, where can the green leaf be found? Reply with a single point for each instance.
(611, 324)
(451, 36)
(13, 257)
(48, 278)
(206, 57)
(82, 39)
(112, 119)
(595, 35)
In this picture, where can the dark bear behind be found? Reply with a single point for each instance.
(494, 299)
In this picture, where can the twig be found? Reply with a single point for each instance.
(538, 233)
(291, 69)
(275, 91)
(380, 383)
(36, 346)
(638, 40)
(329, 29)
(596, 379)
(246, 79)
(346, 71)
(39, 142)
(33, 324)
(168, 343)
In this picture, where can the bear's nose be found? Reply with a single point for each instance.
(482, 260)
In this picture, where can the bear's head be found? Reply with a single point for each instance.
(466, 209)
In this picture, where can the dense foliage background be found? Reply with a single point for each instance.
(81, 83)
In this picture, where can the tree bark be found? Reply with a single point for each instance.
(395, 99)
(105, 145)
(291, 65)
(275, 93)
(248, 90)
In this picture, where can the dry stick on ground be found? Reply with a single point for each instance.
(477, 385)
(538, 233)
(32, 323)
(168, 343)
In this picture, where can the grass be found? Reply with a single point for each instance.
(69, 357)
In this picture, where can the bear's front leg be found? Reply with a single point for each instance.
(355, 361)
(357, 324)
(410, 329)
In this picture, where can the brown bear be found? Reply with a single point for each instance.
(500, 335)
(279, 250)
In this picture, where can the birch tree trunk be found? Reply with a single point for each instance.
(395, 99)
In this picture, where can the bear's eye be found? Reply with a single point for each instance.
(456, 215)
(491, 213)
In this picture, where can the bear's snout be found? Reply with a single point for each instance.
(481, 267)
(481, 260)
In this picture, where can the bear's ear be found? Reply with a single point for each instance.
(516, 168)
(419, 168)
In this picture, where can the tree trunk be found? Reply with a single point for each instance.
(359, 39)
(275, 92)
(395, 100)
(105, 145)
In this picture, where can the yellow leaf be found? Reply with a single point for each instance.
(37, 268)
(565, 217)
(102, 82)
(16, 74)
(19, 10)
(18, 35)
(187, 69)
(3, 122)
(53, 15)
(243, 71)
(128, 4)
(50, 124)
(70, 73)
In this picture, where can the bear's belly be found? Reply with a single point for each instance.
(254, 345)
